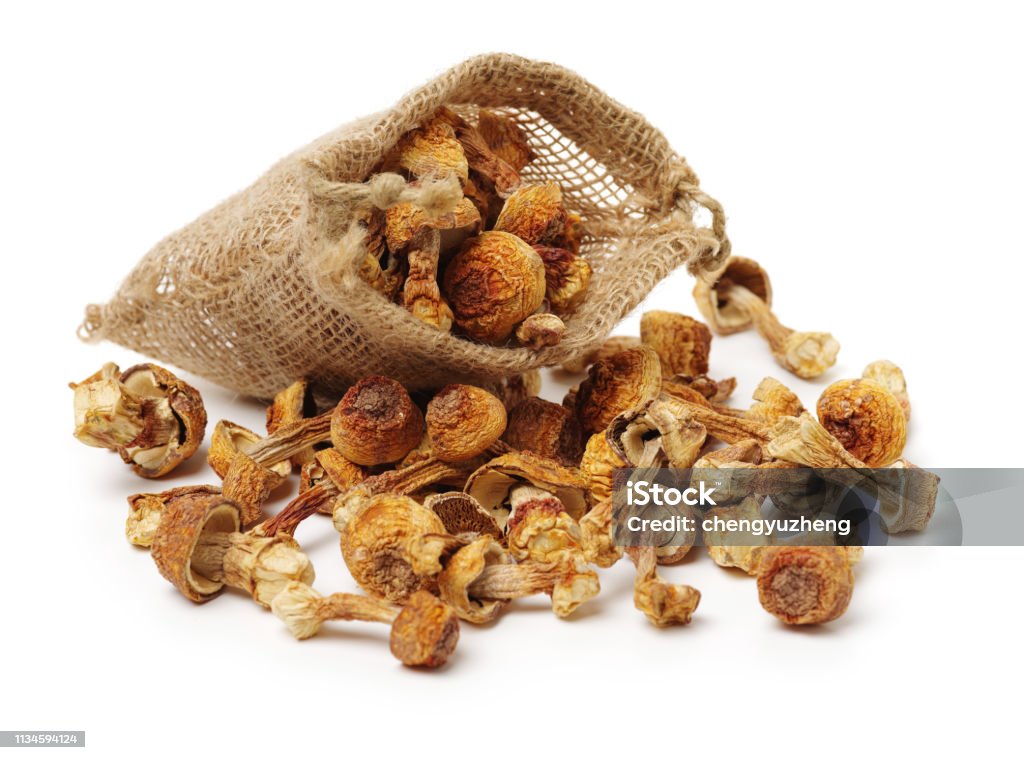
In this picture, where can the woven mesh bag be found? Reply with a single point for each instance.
(264, 288)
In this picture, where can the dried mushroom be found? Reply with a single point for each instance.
(609, 347)
(566, 277)
(546, 429)
(540, 330)
(616, 384)
(152, 419)
(292, 404)
(477, 582)
(539, 528)
(739, 296)
(663, 603)
(493, 283)
(505, 139)
(890, 377)
(493, 483)
(431, 150)
(420, 293)
(866, 419)
(463, 421)
(376, 422)
(199, 549)
(146, 510)
(424, 633)
(393, 546)
(803, 585)
(534, 214)
(683, 344)
(462, 514)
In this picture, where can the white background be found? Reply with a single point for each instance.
(871, 159)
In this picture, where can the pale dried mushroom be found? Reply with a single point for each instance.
(597, 535)
(152, 419)
(683, 344)
(376, 422)
(890, 377)
(620, 382)
(493, 283)
(404, 221)
(725, 316)
(663, 603)
(459, 574)
(199, 549)
(540, 330)
(463, 421)
(866, 419)
(805, 585)
(539, 528)
(424, 633)
(773, 402)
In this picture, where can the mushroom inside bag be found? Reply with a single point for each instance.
(290, 278)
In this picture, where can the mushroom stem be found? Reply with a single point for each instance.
(290, 439)
(257, 565)
(423, 633)
(805, 354)
(421, 294)
(724, 427)
(307, 503)
(515, 581)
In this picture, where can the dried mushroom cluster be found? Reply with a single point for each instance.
(451, 505)
(503, 263)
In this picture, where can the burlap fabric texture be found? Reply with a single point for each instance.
(263, 289)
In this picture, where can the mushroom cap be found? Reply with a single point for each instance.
(146, 510)
(248, 484)
(723, 317)
(540, 330)
(491, 483)
(377, 546)
(890, 377)
(464, 567)
(600, 460)
(505, 138)
(405, 221)
(804, 585)
(376, 422)
(425, 633)
(683, 343)
(151, 381)
(461, 513)
(533, 213)
(577, 583)
(294, 403)
(462, 421)
(625, 380)
(566, 276)
(429, 151)
(229, 439)
(866, 418)
(342, 472)
(493, 283)
(773, 402)
(184, 521)
(540, 530)
(665, 603)
(546, 429)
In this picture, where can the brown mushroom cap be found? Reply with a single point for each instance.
(465, 566)
(425, 633)
(461, 513)
(866, 419)
(184, 523)
(683, 343)
(616, 384)
(598, 466)
(505, 138)
(804, 585)
(724, 317)
(533, 213)
(493, 283)
(492, 483)
(146, 510)
(376, 422)
(462, 421)
(429, 151)
(546, 429)
(566, 276)
(377, 546)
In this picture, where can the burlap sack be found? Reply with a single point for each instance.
(263, 289)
